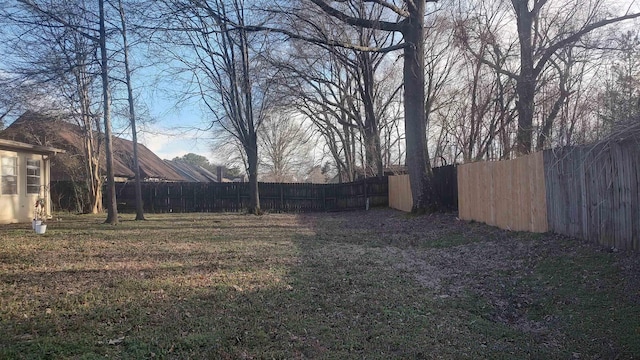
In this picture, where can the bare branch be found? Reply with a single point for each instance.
(354, 21)
(548, 53)
(319, 41)
(390, 6)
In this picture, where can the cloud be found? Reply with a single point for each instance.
(168, 145)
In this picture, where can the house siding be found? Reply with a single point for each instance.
(19, 207)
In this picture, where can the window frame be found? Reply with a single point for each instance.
(5, 175)
(33, 189)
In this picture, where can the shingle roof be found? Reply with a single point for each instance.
(55, 131)
(191, 172)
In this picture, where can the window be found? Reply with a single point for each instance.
(9, 171)
(33, 176)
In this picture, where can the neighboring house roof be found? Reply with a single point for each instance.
(191, 172)
(24, 147)
(47, 130)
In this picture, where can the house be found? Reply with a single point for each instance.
(25, 171)
(196, 173)
(191, 172)
(57, 131)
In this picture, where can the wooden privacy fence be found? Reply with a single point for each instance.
(590, 192)
(593, 193)
(509, 194)
(445, 190)
(234, 197)
(400, 193)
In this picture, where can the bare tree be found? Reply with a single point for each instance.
(321, 88)
(58, 55)
(286, 145)
(535, 55)
(411, 27)
(132, 113)
(488, 111)
(545, 29)
(620, 99)
(55, 13)
(407, 19)
(222, 64)
(112, 204)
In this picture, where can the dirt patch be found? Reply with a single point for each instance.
(456, 259)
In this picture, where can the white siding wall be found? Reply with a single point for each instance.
(20, 207)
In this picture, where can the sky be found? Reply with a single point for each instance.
(174, 131)
(166, 128)
(168, 146)
(173, 127)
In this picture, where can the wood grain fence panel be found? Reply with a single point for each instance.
(466, 175)
(522, 194)
(635, 199)
(485, 196)
(491, 194)
(463, 188)
(509, 194)
(400, 193)
(539, 215)
(592, 193)
(472, 196)
(474, 171)
(502, 194)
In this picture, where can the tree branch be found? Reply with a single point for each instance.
(63, 22)
(354, 21)
(390, 6)
(548, 53)
(319, 41)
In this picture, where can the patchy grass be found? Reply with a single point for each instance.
(374, 285)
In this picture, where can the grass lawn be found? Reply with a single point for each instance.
(361, 285)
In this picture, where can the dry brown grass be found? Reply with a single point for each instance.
(369, 285)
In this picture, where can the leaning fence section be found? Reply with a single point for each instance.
(509, 194)
(234, 197)
(593, 193)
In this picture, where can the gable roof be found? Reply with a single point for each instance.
(49, 130)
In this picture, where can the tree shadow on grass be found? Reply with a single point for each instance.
(315, 292)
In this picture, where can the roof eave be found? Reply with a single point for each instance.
(35, 149)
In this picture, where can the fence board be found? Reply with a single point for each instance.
(593, 194)
(163, 197)
(509, 194)
(275, 197)
(400, 193)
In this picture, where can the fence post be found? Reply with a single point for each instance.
(281, 197)
(238, 205)
(324, 198)
(366, 194)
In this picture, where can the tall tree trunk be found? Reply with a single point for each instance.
(112, 205)
(132, 116)
(415, 121)
(371, 132)
(254, 195)
(526, 82)
(252, 146)
(545, 134)
(91, 152)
